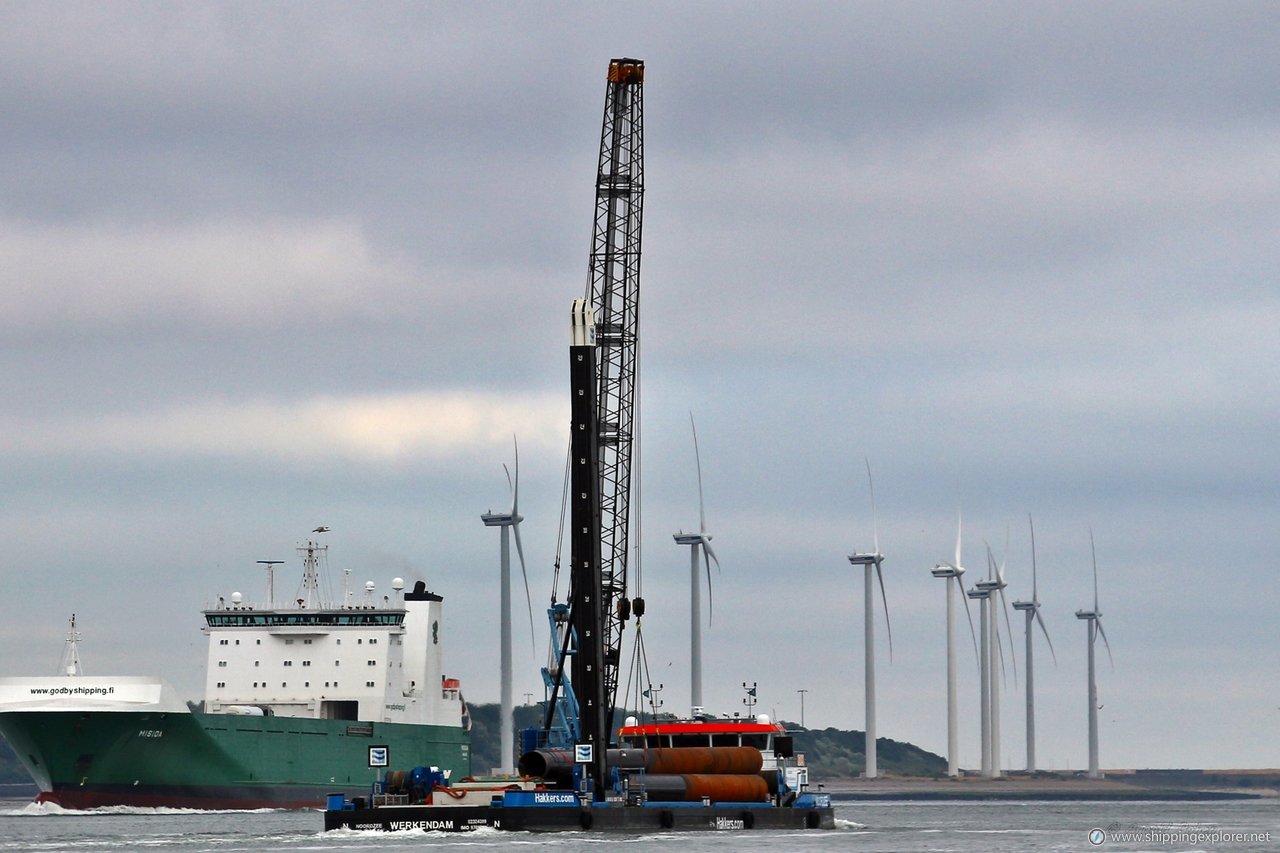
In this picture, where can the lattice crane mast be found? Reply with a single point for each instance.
(614, 291)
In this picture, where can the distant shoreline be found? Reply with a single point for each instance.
(1124, 786)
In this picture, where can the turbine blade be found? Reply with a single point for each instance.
(507, 471)
(875, 527)
(706, 545)
(1094, 552)
(1004, 676)
(885, 600)
(1013, 655)
(969, 614)
(959, 526)
(515, 491)
(1004, 557)
(697, 458)
(1034, 597)
(1098, 622)
(706, 559)
(1045, 631)
(528, 600)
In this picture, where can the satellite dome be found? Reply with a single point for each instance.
(236, 598)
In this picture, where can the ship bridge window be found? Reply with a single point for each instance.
(688, 740)
(724, 740)
(758, 741)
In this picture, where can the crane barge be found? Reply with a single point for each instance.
(702, 774)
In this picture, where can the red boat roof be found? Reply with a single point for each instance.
(700, 727)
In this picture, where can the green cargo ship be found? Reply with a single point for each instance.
(300, 702)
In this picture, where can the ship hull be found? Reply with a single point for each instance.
(91, 759)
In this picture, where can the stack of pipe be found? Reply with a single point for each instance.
(681, 774)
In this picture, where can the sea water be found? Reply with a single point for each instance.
(945, 827)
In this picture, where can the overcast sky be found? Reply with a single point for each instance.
(270, 266)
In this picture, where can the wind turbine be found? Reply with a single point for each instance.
(995, 585)
(867, 561)
(1093, 619)
(952, 572)
(700, 541)
(982, 593)
(509, 521)
(1032, 610)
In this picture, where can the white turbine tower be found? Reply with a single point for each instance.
(1093, 620)
(868, 562)
(509, 521)
(1032, 611)
(952, 572)
(700, 541)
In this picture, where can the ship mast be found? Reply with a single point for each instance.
(70, 664)
(311, 597)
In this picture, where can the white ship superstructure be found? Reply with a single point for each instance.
(370, 659)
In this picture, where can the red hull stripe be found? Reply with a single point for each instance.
(187, 798)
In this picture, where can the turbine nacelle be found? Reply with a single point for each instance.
(691, 538)
(946, 570)
(990, 586)
(866, 559)
(978, 592)
(1088, 614)
(501, 519)
(1026, 605)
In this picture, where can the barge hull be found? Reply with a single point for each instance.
(652, 817)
